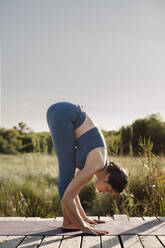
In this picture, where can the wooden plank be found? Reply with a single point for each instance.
(11, 241)
(91, 241)
(162, 239)
(12, 218)
(2, 238)
(90, 217)
(51, 242)
(71, 241)
(161, 218)
(31, 242)
(150, 225)
(106, 218)
(47, 219)
(33, 219)
(150, 218)
(59, 218)
(120, 217)
(135, 218)
(131, 241)
(150, 242)
(93, 217)
(110, 241)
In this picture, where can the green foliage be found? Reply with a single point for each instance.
(21, 140)
(9, 142)
(87, 196)
(151, 128)
(146, 146)
(113, 144)
(125, 141)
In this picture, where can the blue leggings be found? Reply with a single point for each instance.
(62, 119)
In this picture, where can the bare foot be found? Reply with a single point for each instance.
(70, 226)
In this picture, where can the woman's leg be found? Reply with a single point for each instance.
(61, 118)
(62, 134)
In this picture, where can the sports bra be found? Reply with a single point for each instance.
(85, 143)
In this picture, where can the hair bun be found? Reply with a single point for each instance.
(118, 177)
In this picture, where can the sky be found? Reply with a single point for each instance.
(107, 55)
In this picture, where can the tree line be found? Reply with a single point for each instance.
(22, 139)
(141, 136)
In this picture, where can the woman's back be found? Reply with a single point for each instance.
(84, 127)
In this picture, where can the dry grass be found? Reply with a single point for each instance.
(28, 187)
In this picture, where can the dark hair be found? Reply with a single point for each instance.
(118, 177)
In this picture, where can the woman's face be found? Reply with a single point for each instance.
(102, 186)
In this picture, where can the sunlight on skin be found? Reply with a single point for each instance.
(101, 184)
(104, 188)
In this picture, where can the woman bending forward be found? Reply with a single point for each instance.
(79, 143)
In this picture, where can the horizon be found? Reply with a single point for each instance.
(107, 130)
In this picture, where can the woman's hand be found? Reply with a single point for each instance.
(88, 228)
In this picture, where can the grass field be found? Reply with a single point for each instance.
(28, 187)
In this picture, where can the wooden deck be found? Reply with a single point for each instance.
(83, 241)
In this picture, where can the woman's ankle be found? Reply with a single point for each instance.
(66, 222)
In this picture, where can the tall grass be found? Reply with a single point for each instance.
(28, 187)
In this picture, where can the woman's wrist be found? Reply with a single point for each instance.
(87, 220)
(82, 223)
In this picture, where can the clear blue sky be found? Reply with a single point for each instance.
(108, 55)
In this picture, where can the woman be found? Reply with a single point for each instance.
(79, 143)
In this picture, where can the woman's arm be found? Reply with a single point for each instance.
(68, 222)
(83, 215)
(69, 201)
(80, 208)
